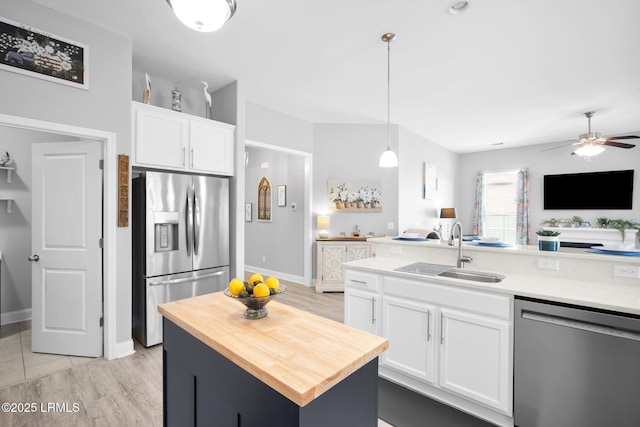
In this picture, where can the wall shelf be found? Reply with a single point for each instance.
(9, 170)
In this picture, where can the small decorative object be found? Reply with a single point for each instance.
(576, 221)
(282, 195)
(548, 240)
(603, 222)
(5, 160)
(176, 100)
(356, 231)
(264, 200)
(147, 91)
(553, 222)
(123, 190)
(207, 101)
(255, 294)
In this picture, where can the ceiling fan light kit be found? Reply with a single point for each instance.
(388, 159)
(203, 15)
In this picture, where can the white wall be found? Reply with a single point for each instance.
(416, 212)
(105, 106)
(543, 163)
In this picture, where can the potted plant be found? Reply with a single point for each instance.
(624, 224)
(553, 222)
(548, 240)
(576, 221)
(603, 222)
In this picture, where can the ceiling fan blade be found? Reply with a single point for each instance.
(559, 146)
(617, 144)
(623, 137)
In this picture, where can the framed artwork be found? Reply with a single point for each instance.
(264, 200)
(36, 53)
(429, 181)
(282, 195)
(363, 196)
(248, 212)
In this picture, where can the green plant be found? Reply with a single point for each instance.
(553, 222)
(624, 224)
(577, 220)
(603, 221)
(547, 233)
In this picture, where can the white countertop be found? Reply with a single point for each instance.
(620, 297)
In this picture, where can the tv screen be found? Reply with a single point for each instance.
(591, 190)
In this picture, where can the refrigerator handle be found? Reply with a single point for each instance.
(196, 223)
(189, 222)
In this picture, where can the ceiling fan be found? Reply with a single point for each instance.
(592, 143)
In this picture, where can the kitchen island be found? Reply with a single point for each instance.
(291, 368)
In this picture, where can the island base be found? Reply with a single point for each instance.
(202, 387)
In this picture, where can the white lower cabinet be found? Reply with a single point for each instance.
(474, 357)
(445, 341)
(409, 327)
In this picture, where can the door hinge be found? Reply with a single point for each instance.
(101, 164)
(100, 243)
(101, 321)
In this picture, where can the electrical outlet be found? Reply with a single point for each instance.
(390, 226)
(631, 271)
(548, 264)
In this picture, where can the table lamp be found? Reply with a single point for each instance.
(324, 222)
(447, 213)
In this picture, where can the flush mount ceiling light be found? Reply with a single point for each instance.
(457, 7)
(203, 15)
(388, 159)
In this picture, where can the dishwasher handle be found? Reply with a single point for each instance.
(581, 325)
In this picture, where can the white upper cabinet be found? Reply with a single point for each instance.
(168, 139)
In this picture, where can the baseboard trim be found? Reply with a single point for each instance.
(278, 274)
(124, 349)
(15, 316)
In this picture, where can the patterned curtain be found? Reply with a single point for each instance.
(523, 228)
(478, 207)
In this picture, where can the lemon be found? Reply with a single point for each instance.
(261, 290)
(256, 277)
(273, 283)
(236, 286)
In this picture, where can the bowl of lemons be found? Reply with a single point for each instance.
(254, 293)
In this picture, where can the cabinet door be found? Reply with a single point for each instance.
(409, 327)
(332, 258)
(160, 138)
(357, 251)
(474, 357)
(361, 310)
(211, 147)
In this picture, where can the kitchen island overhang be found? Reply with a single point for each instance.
(292, 366)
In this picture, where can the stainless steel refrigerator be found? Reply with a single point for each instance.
(180, 231)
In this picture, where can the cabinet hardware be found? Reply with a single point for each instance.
(373, 311)
(359, 282)
(441, 328)
(183, 155)
(191, 159)
(428, 325)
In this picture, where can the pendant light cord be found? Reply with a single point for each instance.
(389, 93)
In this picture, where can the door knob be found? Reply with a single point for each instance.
(34, 258)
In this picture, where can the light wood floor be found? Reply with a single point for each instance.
(99, 392)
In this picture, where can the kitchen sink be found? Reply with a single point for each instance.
(428, 269)
(474, 276)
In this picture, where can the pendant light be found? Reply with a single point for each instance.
(388, 159)
(203, 15)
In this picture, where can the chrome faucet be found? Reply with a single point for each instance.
(461, 259)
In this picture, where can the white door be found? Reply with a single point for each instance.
(66, 254)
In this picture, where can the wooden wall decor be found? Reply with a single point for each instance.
(123, 190)
(264, 199)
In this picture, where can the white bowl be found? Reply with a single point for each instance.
(410, 235)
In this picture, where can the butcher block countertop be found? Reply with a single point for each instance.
(298, 354)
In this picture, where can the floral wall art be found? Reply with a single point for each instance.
(354, 195)
(36, 53)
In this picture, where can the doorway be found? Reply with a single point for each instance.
(109, 214)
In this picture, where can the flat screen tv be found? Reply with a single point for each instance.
(590, 190)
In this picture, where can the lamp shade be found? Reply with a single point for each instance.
(203, 15)
(388, 159)
(589, 150)
(448, 213)
(324, 222)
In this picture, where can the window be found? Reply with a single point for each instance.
(501, 205)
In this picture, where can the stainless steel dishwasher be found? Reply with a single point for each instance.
(575, 366)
